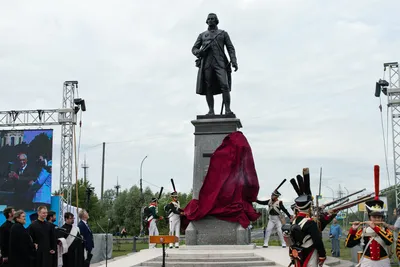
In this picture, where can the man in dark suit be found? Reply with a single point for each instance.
(214, 76)
(87, 234)
(5, 234)
(22, 177)
(51, 219)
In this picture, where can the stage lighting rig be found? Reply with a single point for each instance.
(381, 85)
(80, 104)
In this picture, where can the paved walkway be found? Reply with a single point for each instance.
(274, 253)
(131, 259)
(277, 254)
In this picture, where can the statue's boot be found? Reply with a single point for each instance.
(226, 98)
(211, 112)
(228, 111)
(210, 103)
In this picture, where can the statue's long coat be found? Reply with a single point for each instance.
(216, 50)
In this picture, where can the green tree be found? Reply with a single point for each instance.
(114, 212)
(132, 211)
(126, 209)
(93, 206)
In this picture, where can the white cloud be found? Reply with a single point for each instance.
(304, 89)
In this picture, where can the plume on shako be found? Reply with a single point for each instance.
(375, 206)
(302, 187)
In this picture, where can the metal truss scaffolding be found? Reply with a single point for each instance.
(38, 117)
(393, 94)
(68, 122)
(66, 117)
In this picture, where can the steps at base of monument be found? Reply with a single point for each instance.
(205, 258)
(218, 247)
(216, 259)
(224, 258)
(209, 264)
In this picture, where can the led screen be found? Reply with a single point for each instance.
(26, 168)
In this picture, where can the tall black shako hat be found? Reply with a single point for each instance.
(155, 199)
(304, 200)
(174, 193)
(375, 206)
(276, 193)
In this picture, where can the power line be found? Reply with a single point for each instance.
(151, 183)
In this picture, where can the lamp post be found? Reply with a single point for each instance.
(141, 198)
(333, 192)
(141, 187)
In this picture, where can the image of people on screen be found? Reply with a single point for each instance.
(27, 177)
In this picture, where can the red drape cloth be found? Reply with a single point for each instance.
(230, 186)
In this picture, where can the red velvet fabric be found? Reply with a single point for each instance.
(230, 186)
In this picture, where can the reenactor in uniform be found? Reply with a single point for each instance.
(152, 220)
(398, 249)
(307, 248)
(375, 238)
(173, 211)
(275, 206)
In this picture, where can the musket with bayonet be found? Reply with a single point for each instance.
(323, 217)
(341, 203)
(318, 210)
(333, 202)
(351, 203)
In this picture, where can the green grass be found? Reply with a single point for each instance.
(345, 253)
(125, 248)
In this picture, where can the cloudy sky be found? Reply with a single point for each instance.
(304, 90)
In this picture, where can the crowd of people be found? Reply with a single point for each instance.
(42, 243)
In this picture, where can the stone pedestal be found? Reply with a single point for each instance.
(211, 231)
(209, 133)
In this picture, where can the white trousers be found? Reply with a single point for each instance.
(274, 223)
(370, 263)
(313, 262)
(174, 228)
(153, 230)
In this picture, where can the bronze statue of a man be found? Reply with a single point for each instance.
(214, 76)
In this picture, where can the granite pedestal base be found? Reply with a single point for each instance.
(211, 231)
(209, 134)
